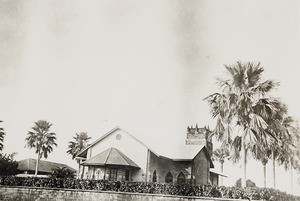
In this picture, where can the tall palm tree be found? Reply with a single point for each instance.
(221, 154)
(262, 154)
(289, 153)
(234, 107)
(2, 134)
(79, 143)
(41, 139)
(274, 119)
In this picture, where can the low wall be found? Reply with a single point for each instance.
(42, 194)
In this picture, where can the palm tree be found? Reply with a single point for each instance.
(274, 119)
(41, 139)
(76, 146)
(234, 107)
(262, 154)
(289, 153)
(2, 134)
(220, 155)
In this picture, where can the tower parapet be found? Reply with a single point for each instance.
(199, 136)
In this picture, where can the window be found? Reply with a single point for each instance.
(119, 137)
(181, 179)
(126, 175)
(169, 178)
(113, 174)
(154, 179)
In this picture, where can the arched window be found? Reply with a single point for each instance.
(154, 179)
(169, 178)
(181, 179)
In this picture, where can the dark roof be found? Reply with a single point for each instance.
(111, 156)
(44, 166)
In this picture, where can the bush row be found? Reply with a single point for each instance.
(252, 193)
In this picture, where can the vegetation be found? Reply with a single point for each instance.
(8, 165)
(2, 134)
(63, 173)
(248, 118)
(41, 139)
(249, 183)
(252, 193)
(79, 143)
(75, 147)
(221, 154)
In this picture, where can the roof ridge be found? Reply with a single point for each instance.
(121, 155)
(109, 150)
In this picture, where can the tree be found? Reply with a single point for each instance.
(2, 134)
(8, 165)
(41, 139)
(242, 94)
(249, 183)
(220, 155)
(76, 146)
(274, 119)
(62, 173)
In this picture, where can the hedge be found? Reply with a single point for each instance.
(252, 193)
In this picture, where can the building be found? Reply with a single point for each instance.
(119, 156)
(27, 167)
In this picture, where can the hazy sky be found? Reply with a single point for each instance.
(143, 65)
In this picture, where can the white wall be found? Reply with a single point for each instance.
(127, 145)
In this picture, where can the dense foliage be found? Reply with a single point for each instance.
(8, 166)
(253, 193)
(249, 183)
(63, 173)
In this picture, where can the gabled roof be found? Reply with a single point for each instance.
(111, 156)
(44, 166)
(109, 133)
(175, 153)
(186, 153)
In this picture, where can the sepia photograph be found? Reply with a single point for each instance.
(149, 100)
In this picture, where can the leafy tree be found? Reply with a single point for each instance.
(8, 165)
(249, 183)
(63, 173)
(221, 154)
(242, 94)
(2, 134)
(76, 146)
(41, 139)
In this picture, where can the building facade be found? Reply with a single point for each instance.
(119, 156)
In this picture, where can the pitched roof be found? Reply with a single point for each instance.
(176, 153)
(44, 166)
(109, 133)
(216, 172)
(111, 156)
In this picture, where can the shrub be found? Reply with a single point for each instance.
(8, 166)
(253, 193)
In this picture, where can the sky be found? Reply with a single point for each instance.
(142, 65)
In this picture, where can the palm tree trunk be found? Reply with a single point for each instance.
(292, 186)
(37, 164)
(244, 163)
(222, 173)
(274, 170)
(265, 174)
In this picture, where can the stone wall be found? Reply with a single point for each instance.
(200, 169)
(163, 165)
(41, 194)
